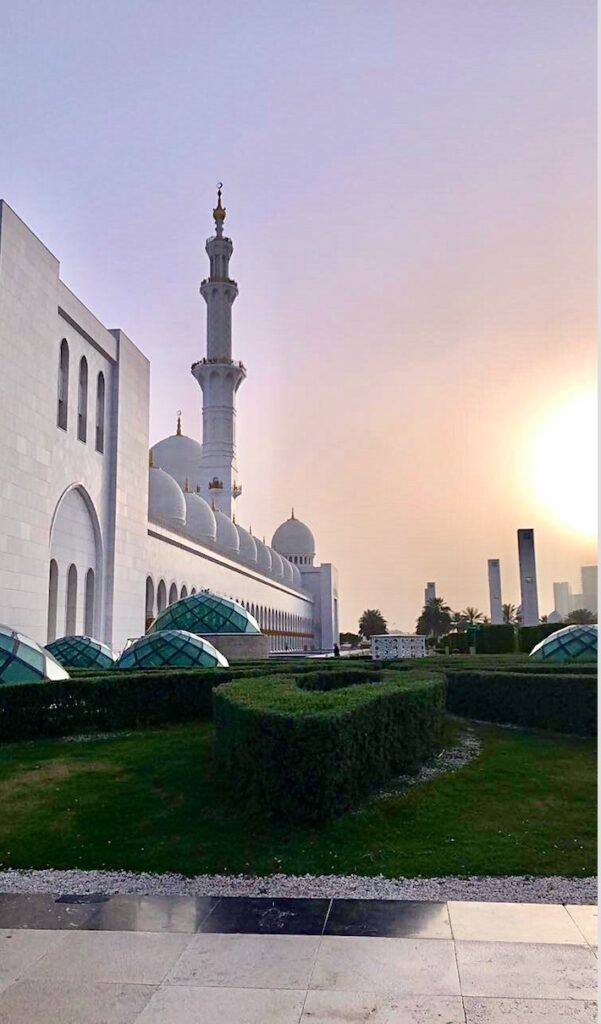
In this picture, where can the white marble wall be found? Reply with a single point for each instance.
(179, 562)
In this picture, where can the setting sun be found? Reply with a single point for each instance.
(563, 463)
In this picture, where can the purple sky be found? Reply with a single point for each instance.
(410, 191)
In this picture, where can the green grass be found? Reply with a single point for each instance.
(154, 801)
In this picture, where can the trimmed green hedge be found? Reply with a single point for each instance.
(101, 700)
(115, 700)
(530, 636)
(305, 755)
(495, 640)
(562, 702)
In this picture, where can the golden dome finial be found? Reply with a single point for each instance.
(178, 429)
(219, 211)
(186, 486)
(292, 516)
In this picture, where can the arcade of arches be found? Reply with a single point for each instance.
(287, 632)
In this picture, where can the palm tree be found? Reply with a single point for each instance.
(435, 619)
(472, 616)
(510, 614)
(458, 622)
(372, 622)
(581, 617)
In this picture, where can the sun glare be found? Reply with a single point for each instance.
(563, 463)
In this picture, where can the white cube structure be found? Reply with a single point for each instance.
(397, 645)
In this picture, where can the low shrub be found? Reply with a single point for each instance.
(560, 701)
(101, 700)
(495, 639)
(115, 700)
(530, 636)
(305, 755)
(337, 680)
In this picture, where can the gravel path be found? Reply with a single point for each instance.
(518, 889)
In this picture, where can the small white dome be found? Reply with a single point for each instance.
(288, 574)
(277, 565)
(200, 519)
(165, 498)
(248, 547)
(180, 456)
(227, 534)
(294, 540)
(263, 556)
(297, 580)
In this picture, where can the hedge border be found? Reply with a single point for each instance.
(302, 756)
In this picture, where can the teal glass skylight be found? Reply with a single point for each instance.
(81, 652)
(174, 648)
(574, 643)
(24, 661)
(206, 613)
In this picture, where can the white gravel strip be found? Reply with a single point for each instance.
(518, 889)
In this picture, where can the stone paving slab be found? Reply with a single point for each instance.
(529, 1011)
(526, 970)
(513, 922)
(435, 963)
(83, 1002)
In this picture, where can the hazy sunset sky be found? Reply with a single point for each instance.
(410, 191)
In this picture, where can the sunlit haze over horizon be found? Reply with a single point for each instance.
(409, 188)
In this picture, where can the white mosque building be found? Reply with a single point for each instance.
(97, 534)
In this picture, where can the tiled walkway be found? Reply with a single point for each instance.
(184, 960)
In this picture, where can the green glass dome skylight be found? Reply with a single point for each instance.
(81, 652)
(574, 643)
(173, 648)
(24, 661)
(206, 613)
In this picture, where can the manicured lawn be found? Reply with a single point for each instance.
(154, 801)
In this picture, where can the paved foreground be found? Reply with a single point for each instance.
(237, 960)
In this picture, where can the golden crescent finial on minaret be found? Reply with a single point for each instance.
(219, 211)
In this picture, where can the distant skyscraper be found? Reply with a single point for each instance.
(528, 586)
(562, 599)
(589, 587)
(429, 593)
(494, 588)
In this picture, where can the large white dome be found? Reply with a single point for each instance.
(200, 519)
(277, 565)
(227, 534)
(294, 540)
(248, 546)
(263, 556)
(180, 456)
(165, 498)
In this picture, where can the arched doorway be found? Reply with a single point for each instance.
(75, 573)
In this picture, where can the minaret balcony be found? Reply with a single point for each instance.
(218, 280)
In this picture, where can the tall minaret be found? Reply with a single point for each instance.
(218, 375)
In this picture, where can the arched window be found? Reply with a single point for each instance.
(193, 591)
(184, 591)
(149, 605)
(161, 596)
(52, 599)
(172, 593)
(71, 606)
(88, 606)
(100, 413)
(82, 401)
(63, 385)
